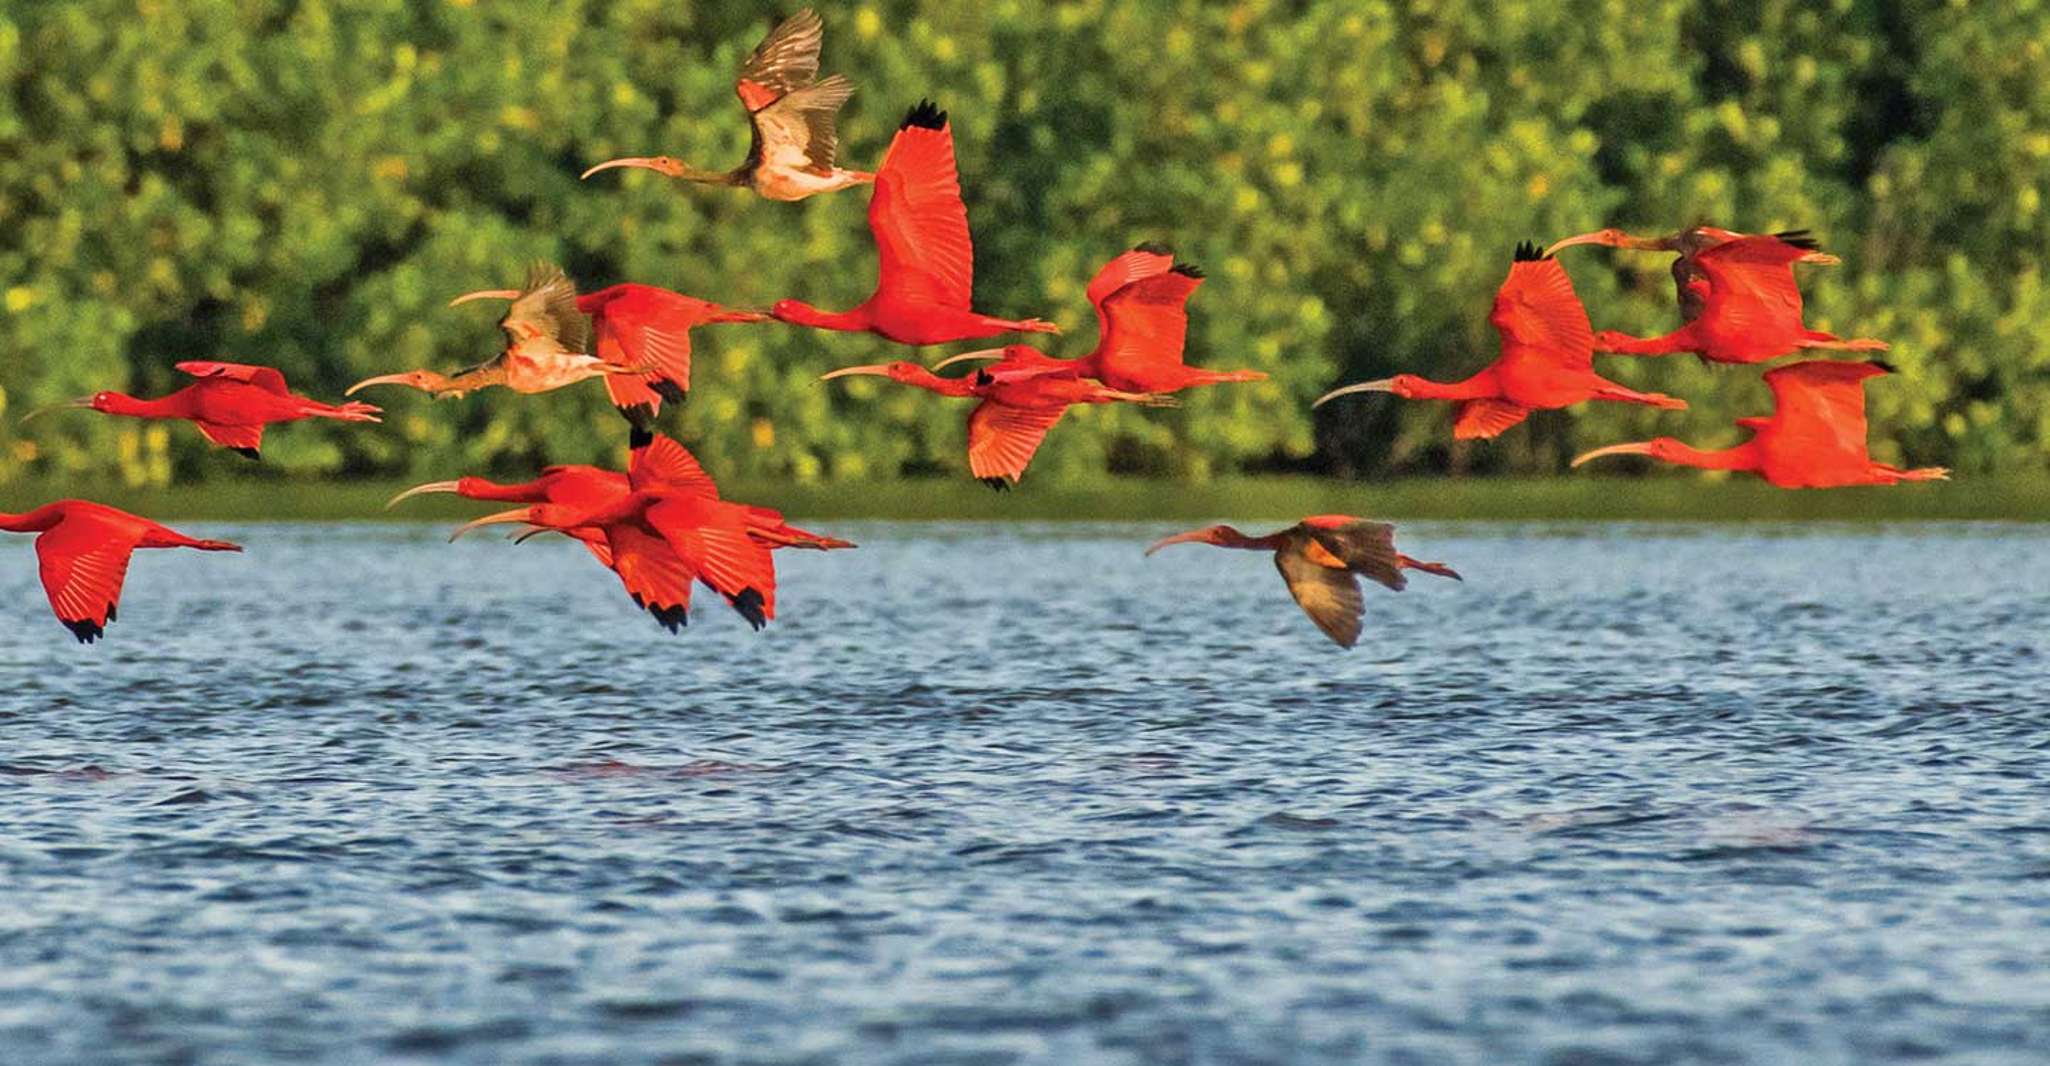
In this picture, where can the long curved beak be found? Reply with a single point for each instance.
(1580, 238)
(486, 294)
(1378, 385)
(641, 161)
(420, 490)
(381, 379)
(535, 532)
(728, 314)
(876, 370)
(82, 401)
(1819, 259)
(986, 353)
(1192, 536)
(517, 514)
(1636, 448)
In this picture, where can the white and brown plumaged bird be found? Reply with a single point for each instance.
(792, 111)
(548, 342)
(1322, 559)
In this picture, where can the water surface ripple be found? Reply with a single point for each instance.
(1641, 794)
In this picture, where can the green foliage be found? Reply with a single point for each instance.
(305, 184)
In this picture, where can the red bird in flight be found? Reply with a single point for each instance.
(1690, 243)
(671, 528)
(926, 261)
(83, 550)
(1019, 405)
(1319, 557)
(1750, 308)
(1815, 438)
(1141, 300)
(230, 403)
(1547, 358)
(645, 328)
(792, 113)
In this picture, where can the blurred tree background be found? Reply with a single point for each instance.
(304, 183)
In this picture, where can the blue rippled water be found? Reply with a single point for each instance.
(1018, 795)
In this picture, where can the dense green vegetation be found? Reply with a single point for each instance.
(304, 183)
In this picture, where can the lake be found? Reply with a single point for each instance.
(1016, 794)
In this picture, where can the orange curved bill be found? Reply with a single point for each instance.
(1378, 385)
(82, 401)
(420, 490)
(877, 370)
(516, 515)
(382, 379)
(486, 294)
(1636, 448)
(1576, 239)
(1820, 259)
(1193, 536)
(986, 353)
(642, 161)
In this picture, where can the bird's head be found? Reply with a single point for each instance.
(424, 380)
(1613, 238)
(1219, 535)
(660, 164)
(1663, 449)
(103, 402)
(1403, 385)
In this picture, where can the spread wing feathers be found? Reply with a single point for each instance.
(1002, 439)
(660, 342)
(921, 226)
(1751, 283)
(1147, 321)
(654, 575)
(1364, 547)
(1330, 597)
(660, 463)
(1819, 406)
(634, 397)
(797, 132)
(1537, 308)
(245, 439)
(1145, 261)
(1481, 419)
(715, 542)
(263, 377)
(547, 311)
(83, 565)
(788, 58)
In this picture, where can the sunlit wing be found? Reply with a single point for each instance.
(263, 377)
(83, 564)
(1752, 287)
(1482, 419)
(712, 537)
(1819, 406)
(1146, 322)
(659, 463)
(1330, 597)
(787, 59)
(650, 332)
(1003, 439)
(1145, 261)
(923, 248)
(1362, 546)
(546, 312)
(654, 575)
(1538, 314)
(247, 439)
(797, 132)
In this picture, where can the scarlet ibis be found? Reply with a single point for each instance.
(926, 260)
(1319, 557)
(1141, 300)
(1750, 308)
(640, 326)
(230, 403)
(792, 113)
(83, 550)
(1815, 438)
(1016, 411)
(582, 487)
(1690, 243)
(669, 528)
(1547, 358)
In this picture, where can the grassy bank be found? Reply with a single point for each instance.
(1679, 497)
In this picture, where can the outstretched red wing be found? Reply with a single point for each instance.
(920, 224)
(1002, 439)
(1135, 265)
(1751, 286)
(664, 465)
(241, 438)
(269, 379)
(654, 575)
(712, 537)
(1145, 323)
(1819, 406)
(651, 330)
(83, 564)
(1481, 419)
(1537, 312)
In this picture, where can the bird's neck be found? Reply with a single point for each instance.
(712, 177)
(172, 406)
(1481, 386)
(476, 377)
(477, 488)
(931, 382)
(1742, 457)
(34, 521)
(799, 313)
(1232, 538)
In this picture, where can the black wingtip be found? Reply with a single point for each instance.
(927, 115)
(639, 437)
(671, 618)
(113, 613)
(1187, 270)
(1800, 238)
(669, 390)
(1529, 252)
(1153, 248)
(85, 629)
(248, 453)
(640, 416)
(998, 483)
(1880, 363)
(749, 604)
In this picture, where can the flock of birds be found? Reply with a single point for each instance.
(662, 524)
